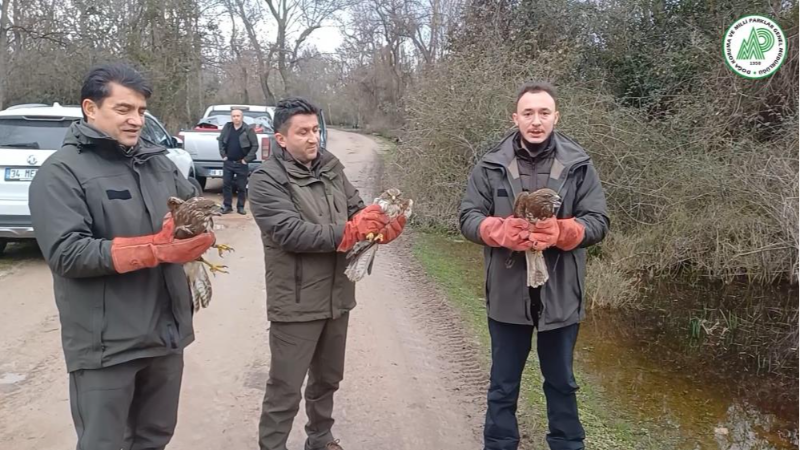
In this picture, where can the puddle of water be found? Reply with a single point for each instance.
(651, 364)
(11, 378)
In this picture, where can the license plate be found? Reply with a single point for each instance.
(20, 174)
(215, 173)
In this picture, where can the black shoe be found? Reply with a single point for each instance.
(224, 210)
(241, 211)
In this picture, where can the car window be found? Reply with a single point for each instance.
(251, 114)
(154, 133)
(33, 133)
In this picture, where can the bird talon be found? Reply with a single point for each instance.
(214, 268)
(223, 248)
(379, 237)
(371, 237)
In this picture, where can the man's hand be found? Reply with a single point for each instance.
(370, 220)
(511, 233)
(544, 234)
(393, 230)
(134, 253)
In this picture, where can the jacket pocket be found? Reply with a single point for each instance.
(298, 277)
(173, 339)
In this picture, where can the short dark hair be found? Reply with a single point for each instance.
(96, 84)
(533, 87)
(288, 108)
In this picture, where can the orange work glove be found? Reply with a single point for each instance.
(393, 230)
(511, 233)
(134, 253)
(570, 234)
(544, 233)
(369, 220)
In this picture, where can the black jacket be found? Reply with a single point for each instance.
(248, 140)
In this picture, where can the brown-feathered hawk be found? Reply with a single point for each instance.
(362, 255)
(535, 206)
(193, 217)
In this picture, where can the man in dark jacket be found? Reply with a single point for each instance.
(238, 145)
(99, 209)
(532, 157)
(310, 216)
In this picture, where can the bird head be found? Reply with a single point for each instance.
(392, 195)
(550, 198)
(208, 207)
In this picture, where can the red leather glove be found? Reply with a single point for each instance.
(141, 252)
(545, 234)
(369, 220)
(571, 233)
(511, 233)
(393, 230)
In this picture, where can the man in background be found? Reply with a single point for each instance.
(238, 145)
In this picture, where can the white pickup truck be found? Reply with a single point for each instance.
(201, 142)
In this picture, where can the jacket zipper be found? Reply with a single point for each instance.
(298, 277)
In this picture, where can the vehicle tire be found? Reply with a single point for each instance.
(198, 184)
(3, 243)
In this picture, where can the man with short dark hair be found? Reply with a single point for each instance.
(99, 208)
(310, 217)
(534, 156)
(238, 145)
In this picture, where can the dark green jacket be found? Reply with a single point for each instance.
(302, 213)
(85, 195)
(491, 190)
(248, 140)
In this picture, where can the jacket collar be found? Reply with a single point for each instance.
(86, 137)
(568, 154)
(324, 165)
(567, 151)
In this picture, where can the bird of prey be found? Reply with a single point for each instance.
(362, 255)
(534, 206)
(193, 217)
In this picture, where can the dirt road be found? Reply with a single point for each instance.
(411, 382)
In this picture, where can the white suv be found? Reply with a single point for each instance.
(29, 134)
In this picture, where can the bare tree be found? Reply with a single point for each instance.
(304, 16)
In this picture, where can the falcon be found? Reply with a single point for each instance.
(534, 206)
(193, 217)
(362, 255)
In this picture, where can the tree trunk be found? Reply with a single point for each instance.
(3, 51)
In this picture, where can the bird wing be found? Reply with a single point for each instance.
(361, 264)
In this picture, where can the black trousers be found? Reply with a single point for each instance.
(511, 345)
(131, 406)
(234, 172)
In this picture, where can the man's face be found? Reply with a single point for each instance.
(236, 117)
(120, 115)
(302, 137)
(536, 116)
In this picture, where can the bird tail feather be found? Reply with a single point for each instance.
(537, 268)
(199, 284)
(361, 264)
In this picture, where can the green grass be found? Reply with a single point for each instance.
(457, 267)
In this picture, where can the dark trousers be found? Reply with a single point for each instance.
(315, 348)
(234, 172)
(511, 345)
(131, 406)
